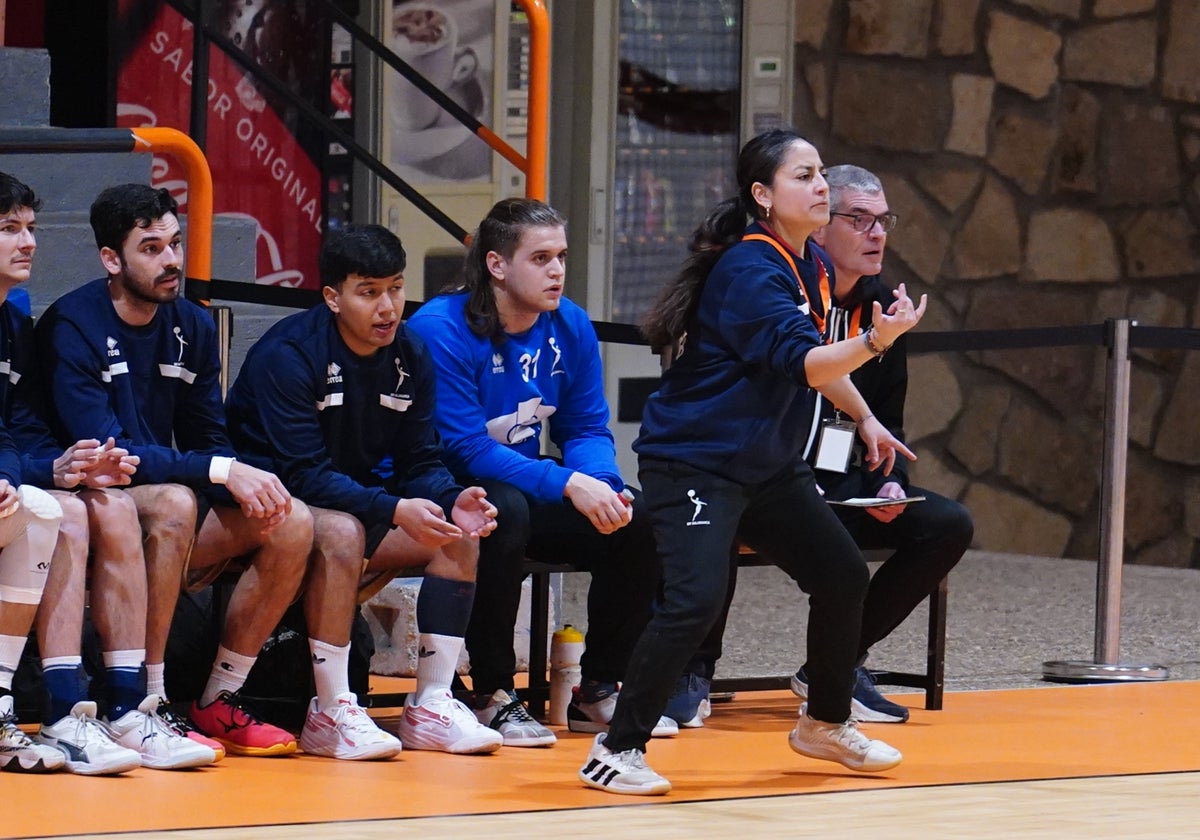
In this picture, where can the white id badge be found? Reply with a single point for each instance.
(834, 446)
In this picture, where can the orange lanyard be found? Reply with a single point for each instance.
(822, 275)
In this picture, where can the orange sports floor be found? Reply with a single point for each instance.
(1027, 734)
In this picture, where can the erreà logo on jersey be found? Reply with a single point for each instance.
(497, 363)
(333, 373)
(111, 343)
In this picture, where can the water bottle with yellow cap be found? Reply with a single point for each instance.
(566, 650)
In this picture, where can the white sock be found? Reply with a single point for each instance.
(437, 662)
(331, 671)
(11, 648)
(155, 682)
(229, 672)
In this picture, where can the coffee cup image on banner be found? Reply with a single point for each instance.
(451, 44)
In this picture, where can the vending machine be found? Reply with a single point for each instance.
(652, 100)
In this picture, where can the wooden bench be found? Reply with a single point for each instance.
(538, 693)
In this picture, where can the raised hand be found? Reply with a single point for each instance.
(900, 317)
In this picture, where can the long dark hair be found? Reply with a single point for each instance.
(500, 231)
(759, 160)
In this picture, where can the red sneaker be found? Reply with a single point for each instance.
(227, 720)
(180, 724)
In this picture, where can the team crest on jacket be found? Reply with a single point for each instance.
(175, 369)
(396, 400)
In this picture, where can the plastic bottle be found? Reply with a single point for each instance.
(566, 649)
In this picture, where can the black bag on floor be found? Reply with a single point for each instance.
(280, 685)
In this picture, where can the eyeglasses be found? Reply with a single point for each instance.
(863, 222)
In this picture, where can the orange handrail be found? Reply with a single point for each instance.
(537, 139)
(198, 251)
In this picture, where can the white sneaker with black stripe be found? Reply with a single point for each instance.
(623, 772)
(87, 744)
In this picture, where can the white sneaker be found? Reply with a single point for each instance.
(19, 754)
(507, 715)
(595, 716)
(158, 744)
(345, 731)
(624, 772)
(443, 723)
(841, 742)
(87, 743)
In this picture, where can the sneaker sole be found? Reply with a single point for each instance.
(273, 751)
(378, 754)
(80, 768)
(842, 759)
(617, 787)
(13, 764)
(467, 747)
(186, 763)
(548, 740)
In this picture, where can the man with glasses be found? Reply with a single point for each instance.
(927, 538)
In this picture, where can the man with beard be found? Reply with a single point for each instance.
(127, 357)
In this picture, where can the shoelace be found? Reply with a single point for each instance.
(10, 732)
(848, 735)
(632, 758)
(88, 729)
(238, 703)
(516, 711)
(174, 721)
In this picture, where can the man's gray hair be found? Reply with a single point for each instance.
(847, 177)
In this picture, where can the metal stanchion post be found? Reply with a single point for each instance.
(1106, 667)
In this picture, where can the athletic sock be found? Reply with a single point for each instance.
(229, 672)
(63, 678)
(11, 648)
(156, 679)
(125, 688)
(331, 671)
(437, 662)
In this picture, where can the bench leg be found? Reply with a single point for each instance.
(539, 628)
(935, 665)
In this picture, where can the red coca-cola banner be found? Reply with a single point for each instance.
(260, 172)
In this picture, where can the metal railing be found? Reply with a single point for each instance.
(533, 164)
(145, 140)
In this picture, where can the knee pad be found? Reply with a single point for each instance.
(25, 557)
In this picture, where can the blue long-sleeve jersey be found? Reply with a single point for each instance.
(494, 397)
(25, 436)
(146, 386)
(323, 418)
(737, 401)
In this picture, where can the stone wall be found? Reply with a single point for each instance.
(1044, 157)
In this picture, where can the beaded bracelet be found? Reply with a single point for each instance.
(869, 340)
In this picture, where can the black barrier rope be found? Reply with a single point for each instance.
(1095, 335)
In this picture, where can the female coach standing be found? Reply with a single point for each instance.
(719, 453)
